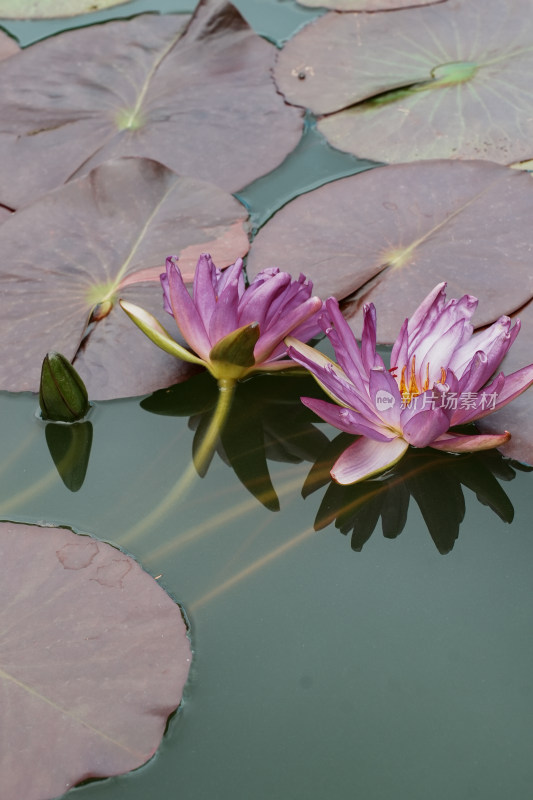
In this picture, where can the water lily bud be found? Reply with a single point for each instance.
(62, 393)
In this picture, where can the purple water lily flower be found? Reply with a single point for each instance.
(439, 377)
(233, 330)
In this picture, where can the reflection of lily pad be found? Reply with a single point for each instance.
(390, 234)
(94, 658)
(202, 103)
(46, 9)
(74, 251)
(517, 417)
(366, 5)
(447, 80)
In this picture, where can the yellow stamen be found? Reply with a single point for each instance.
(411, 389)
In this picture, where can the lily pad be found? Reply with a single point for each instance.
(8, 46)
(68, 257)
(47, 9)
(200, 101)
(365, 5)
(517, 417)
(94, 656)
(390, 234)
(450, 80)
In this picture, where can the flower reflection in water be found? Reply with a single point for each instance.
(266, 422)
(435, 481)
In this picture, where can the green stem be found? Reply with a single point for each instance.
(201, 460)
(208, 443)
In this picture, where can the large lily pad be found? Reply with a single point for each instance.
(365, 5)
(202, 103)
(390, 234)
(8, 46)
(450, 80)
(73, 252)
(517, 417)
(46, 9)
(93, 659)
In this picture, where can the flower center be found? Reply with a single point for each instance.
(408, 384)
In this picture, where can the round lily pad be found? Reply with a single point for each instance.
(68, 257)
(366, 5)
(47, 9)
(450, 80)
(390, 234)
(8, 46)
(93, 659)
(199, 98)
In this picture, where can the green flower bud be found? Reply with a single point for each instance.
(62, 393)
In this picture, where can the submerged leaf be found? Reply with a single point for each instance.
(450, 80)
(94, 658)
(96, 238)
(389, 235)
(201, 101)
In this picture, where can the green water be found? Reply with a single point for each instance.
(390, 673)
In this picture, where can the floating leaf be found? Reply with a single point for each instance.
(46, 9)
(450, 80)
(94, 656)
(390, 234)
(365, 5)
(202, 103)
(73, 252)
(8, 46)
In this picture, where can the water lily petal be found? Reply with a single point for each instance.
(344, 343)
(399, 354)
(224, 318)
(437, 357)
(506, 388)
(473, 405)
(494, 341)
(268, 286)
(205, 288)
(347, 420)
(385, 396)
(270, 344)
(185, 313)
(428, 309)
(332, 379)
(463, 443)
(420, 428)
(365, 458)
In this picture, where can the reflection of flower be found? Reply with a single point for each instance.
(232, 330)
(266, 422)
(435, 480)
(438, 379)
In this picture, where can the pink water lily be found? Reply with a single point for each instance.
(231, 329)
(441, 375)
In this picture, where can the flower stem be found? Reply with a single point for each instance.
(199, 465)
(204, 453)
